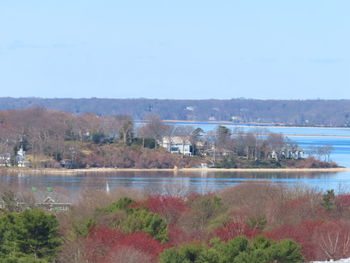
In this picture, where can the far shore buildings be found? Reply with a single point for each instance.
(287, 153)
(181, 145)
(5, 159)
(177, 144)
(48, 200)
(20, 160)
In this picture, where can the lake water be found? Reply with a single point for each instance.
(179, 183)
(182, 183)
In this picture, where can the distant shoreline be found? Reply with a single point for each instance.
(182, 170)
(263, 125)
(267, 126)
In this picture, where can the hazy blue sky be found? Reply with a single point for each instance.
(290, 49)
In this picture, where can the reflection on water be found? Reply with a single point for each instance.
(178, 183)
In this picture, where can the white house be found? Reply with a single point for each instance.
(177, 144)
(287, 154)
(21, 159)
(5, 159)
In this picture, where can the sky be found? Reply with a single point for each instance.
(179, 49)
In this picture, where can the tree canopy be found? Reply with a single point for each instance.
(29, 236)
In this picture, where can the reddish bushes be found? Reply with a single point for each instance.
(334, 239)
(133, 157)
(104, 244)
(142, 242)
(295, 211)
(309, 162)
(169, 207)
(234, 229)
(246, 210)
(342, 203)
(179, 237)
(99, 242)
(343, 200)
(320, 240)
(302, 234)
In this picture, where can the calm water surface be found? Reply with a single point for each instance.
(176, 183)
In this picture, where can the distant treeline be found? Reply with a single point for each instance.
(284, 112)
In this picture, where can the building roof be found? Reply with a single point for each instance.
(175, 140)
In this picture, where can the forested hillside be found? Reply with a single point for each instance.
(286, 112)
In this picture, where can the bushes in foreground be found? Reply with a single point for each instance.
(246, 223)
(29, 237)
(134, 219)
(320, 239)
(238, 250)
(103, 245)
(106, 246)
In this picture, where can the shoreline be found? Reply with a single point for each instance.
(182, 170)
(263, 125)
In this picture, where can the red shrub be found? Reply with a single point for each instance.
(295, 203)
(105, 235)
(234, 229)
(141, 242)
(309, 162)
(169, 207)
(319, 240)
(137, 204)
(103, 244)
(342, 202)
(298, 210)
(334, 239)
(302, 234)
(178, 237)
(99, 242)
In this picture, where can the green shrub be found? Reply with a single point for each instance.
(121, 204)
(328, 200)
(24, 259)
(32, 234)
(237, 250)
(205, 209)
(143, 220)
(81, 228)
(138, 219)
(190, 253)
(257, 222)
(226, 162)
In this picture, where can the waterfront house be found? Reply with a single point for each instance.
(21, 159)
(287, 153)
(5, 159)
(67, 164)
(48, 203)
(177, 144)
(51, 204)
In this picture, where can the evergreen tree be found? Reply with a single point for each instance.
(30, 236)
